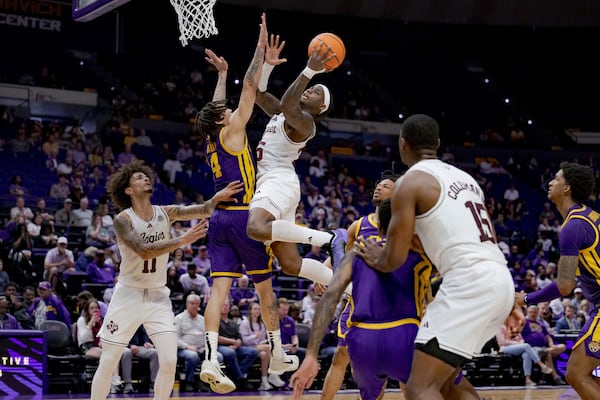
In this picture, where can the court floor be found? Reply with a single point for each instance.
(500, 393)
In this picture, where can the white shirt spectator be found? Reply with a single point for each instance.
(190, 331)
(511, 194)
(197, 283)
(172, 166)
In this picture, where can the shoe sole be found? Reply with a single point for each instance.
(216, 385)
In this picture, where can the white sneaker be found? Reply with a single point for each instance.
(276, 381)
(264, 385)
(219, 383)
(288, 363)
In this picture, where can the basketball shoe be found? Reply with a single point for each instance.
(287, 363)
(219, 383)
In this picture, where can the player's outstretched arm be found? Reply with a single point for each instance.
(265, 100)
(242, 114)
(127, 236)
(222, 67)
(197, 211)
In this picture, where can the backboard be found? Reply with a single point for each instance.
(87, 10)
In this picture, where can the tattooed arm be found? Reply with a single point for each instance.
(326, 308)
(242, 114)
(131, 239)
(305, 375)
(197, 211)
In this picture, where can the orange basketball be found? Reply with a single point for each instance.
(336, 44)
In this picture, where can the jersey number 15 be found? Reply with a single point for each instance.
(480, 215)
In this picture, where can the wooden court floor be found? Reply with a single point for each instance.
(507, 393)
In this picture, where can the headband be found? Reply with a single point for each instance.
(326, 97)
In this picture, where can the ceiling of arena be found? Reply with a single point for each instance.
(542, 13)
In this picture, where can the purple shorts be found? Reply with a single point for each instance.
(229, 247)
(376, 355)
(590, 335)
(342, 329)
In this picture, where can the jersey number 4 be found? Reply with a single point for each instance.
(152, 269)
(480, 215)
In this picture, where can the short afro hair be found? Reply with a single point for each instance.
(581, 180)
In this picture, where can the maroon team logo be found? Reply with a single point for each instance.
(112, 327)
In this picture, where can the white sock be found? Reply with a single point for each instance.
(275, 342)
(315, 271)
(212, 343)
(284, 231)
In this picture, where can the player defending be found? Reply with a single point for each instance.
(364, 227)
(387, 309)
(140, 296)
(292, 125)
(229, 246)
(445, 207)
(579, 254)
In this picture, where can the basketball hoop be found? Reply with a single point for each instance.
(196, 19)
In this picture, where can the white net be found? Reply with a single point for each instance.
(196, 19)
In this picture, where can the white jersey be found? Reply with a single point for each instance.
(276, 152)
(135, 271)
(457, 232)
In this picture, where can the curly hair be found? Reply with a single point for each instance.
(119, 181)
(421, 131)
(581, 180)
(207, 119)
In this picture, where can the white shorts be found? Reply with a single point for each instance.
(279, 194)
(469, 308)
(131, 307)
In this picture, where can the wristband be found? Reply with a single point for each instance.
(525, 300)
(309, 72)
(264, 76)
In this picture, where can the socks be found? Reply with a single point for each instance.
(315, 271)
(212, 343)
(284, 231)
(275, 342)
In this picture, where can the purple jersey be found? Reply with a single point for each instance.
(228, 166)
(229, 246)
(580, 237)
(385, 312)
(368, 228)
(384, 300)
